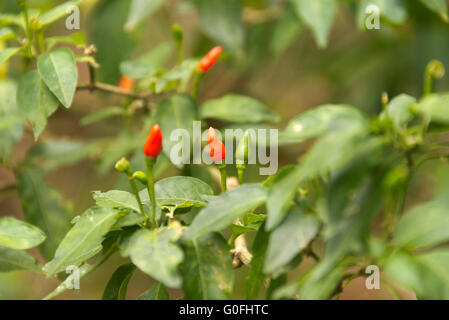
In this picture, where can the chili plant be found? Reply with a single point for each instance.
(191, 231)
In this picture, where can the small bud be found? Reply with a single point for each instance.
(242, 152)
(435, 69)
(384, 98)
(140, 176)
(123, 165)
(177, 34)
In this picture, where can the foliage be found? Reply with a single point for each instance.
(183, 233)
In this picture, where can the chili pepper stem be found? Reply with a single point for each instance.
(222, 168)
(135, 191)
(150, 187)
(196, 83)
(428, 84)
(40, 37)
(240, 174)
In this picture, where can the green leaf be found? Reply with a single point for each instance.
(176, 112)
(35, 101)
(16, 234)
(139, 10)
(329, 153)
(7, 33)
(51, 155)
(103, 114)
(318, 15)
(179, 192)
(154, 252)
(222, 21)
(146, 66)
(131, 218)
(347, 234)
(11, 120)
(224, 209)
(286, 30)
(11, 19)
(83, 241)
(176, 78)
(157, 292)
(289, 239)
(7, 53)
(256, 276)
(424, 225)
(78, 39)
(321, 282)
(116, 199)
(275, 284)
(58, 70)
(238, 229)
(57, 12)
(237, 108)
(43, 208)
(438, 6)
(399, 109)
(117, 147)
(393, 11)
(113, 43)
(426, 274)
(207, 269)
(68, 283)
(13, 260)
(318, 121)
(435, 107)
(118, 284)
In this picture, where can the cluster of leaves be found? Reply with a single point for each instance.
(358, 169)
(291, 16)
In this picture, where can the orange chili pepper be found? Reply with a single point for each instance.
(217, 148)
(126, 83)
(209, 59)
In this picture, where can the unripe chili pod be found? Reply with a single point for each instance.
(153, 144)
(177, 33)
(242, 152)
(123, 165)
(209, 59)
(140, 176)
(126, 83)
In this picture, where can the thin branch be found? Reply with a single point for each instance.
(9, 187)
(114, 90)
(312, 254)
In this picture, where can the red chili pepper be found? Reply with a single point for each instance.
(126, 83)
(217, 148)
(153, 145)
(209, 59)
(211, 135)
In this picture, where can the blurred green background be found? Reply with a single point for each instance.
(279, 65)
